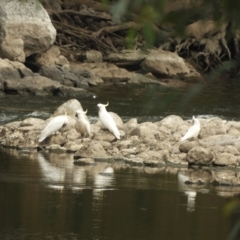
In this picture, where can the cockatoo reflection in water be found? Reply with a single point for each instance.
(82, 124)
(53, 126)
(193, 131)
(107, 120)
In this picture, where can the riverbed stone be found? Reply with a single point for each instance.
(200, 156)
(127, 57)
(134, 161)
(130, 124)
(233, 124)
(237, 144)
(165, 64)
(70, 107)
(36, 122)
(231, 149)
(94, 149)
(214, 126)
(163, 146)
(143, 132)
(125, 144)
(178, 159)
(51, 58)
(72, 147)
(171, 122)
(225, 159)
(94, 56)
(164, 134)
(13, 69)
(108, 72)
(233, 131)
(56, 148)
(104, 135)
(84, 161)
(225, 177)
(26, 29)
(186, 146)
(219, 140)
(60, 75)
(86, 78)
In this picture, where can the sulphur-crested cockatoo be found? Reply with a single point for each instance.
(193, 131)
(53, 126)
(107, 120)
(82, 124)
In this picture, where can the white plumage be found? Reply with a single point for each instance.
(107, 120)
(193, 131)
(54, 125)
(82, 124)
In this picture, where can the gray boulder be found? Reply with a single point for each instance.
(225, 159)
(169, 65)
(26, 29)
(199, 156)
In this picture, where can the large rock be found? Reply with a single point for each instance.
(171, 122)
(51, 58)
(219, 140)
(169, 65)
(13, 69)
(60, 75)
(213, 126)
(200, 156)
(225, 177)
(41, 86)
(127, 57)
(70, 107)
(26, 29)
(106, 71)
(225, 159)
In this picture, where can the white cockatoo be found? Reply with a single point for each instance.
(107, 120)
(193, 131)
(53, 126)
(82, 124)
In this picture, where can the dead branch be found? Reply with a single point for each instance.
(116, 28)
(85, 13)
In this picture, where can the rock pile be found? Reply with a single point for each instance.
(152, 144)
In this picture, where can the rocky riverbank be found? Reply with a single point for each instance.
(35, 63)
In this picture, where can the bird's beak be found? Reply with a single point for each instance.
(86, 112)
(106, 104)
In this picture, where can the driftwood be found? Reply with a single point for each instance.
(87, 24)
(205, 42)
(85, 29)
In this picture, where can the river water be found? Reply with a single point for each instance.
(46, 196)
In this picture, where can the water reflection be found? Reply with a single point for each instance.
(59, 172)
(47, 196)
(191, 193)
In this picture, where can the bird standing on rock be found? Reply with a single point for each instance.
(193, 131)
(107, 120)
(82, 124)
(53, 126)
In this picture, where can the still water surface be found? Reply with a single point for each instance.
(45, 196)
